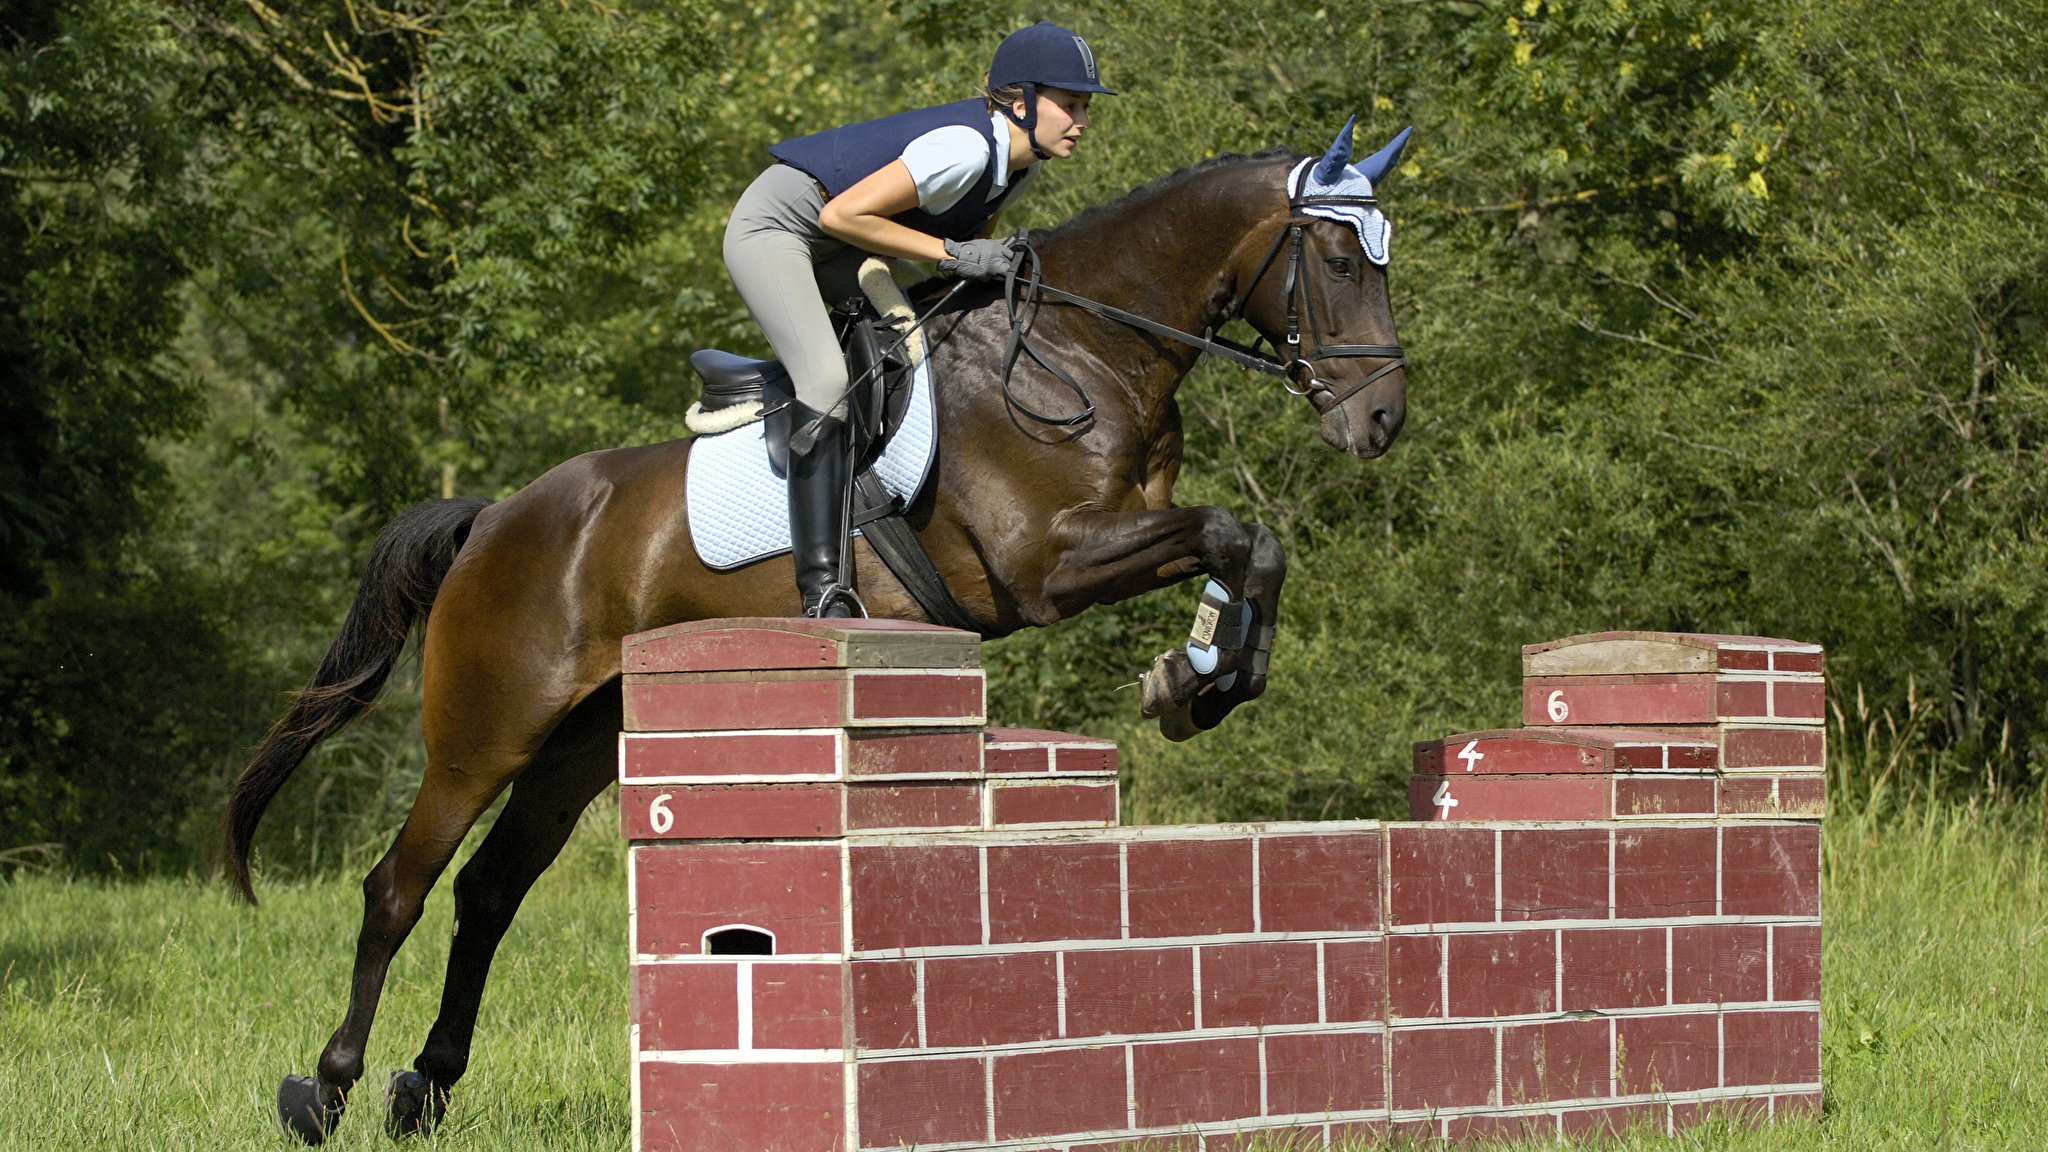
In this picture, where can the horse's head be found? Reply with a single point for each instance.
(1320, 296)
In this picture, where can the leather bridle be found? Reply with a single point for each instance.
(1295, 288)
(1023, 312)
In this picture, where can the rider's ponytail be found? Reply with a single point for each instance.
(1001, 98)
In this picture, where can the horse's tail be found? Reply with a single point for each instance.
(407, 565)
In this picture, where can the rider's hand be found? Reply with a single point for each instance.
(983, 259)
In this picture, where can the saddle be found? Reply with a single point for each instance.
(882, 347)
(738, 391)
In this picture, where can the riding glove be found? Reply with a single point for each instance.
(983, 259)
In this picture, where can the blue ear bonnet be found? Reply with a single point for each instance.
(1335, 176)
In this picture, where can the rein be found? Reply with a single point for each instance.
(1023, 315)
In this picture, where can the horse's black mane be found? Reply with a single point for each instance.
(927, 291)
(1088, 216)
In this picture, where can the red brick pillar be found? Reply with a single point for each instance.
(1662, 810)
(755, 753)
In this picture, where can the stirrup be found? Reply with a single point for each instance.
(835, 591)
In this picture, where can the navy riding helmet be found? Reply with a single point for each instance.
(1044, 55)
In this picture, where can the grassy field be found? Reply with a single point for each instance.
(161, 1015)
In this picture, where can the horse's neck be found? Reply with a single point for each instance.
(1168, 256)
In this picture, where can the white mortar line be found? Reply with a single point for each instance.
(981, 855)
(1257, 919)
(745, 991)
(1196, 951)
(1322, 986)
(1720, 1049)
(1613, 1064)
(1719, 863)
(918, 999)
(988, 1089)
(845, 898)
(1059, 971)
(1123, 887)
(1558, 946)
(1610, 874)
(633, 1070)
(1130, 1089)
(1443, 975)
(1500, 1094)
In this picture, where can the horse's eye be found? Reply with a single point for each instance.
(1340, 266)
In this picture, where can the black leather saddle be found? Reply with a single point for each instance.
(731, 380)
(878, 408)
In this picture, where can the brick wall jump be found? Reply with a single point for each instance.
(840, 942)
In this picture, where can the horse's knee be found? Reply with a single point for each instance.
(1268, 554)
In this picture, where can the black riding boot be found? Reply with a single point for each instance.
(817, 495)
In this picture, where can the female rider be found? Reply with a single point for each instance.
(923, 185)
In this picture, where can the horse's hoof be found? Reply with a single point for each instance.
(1179, 724)
(413, 1105)
(300, 1112)
(1171, 682)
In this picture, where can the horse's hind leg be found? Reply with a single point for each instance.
(482, 730)
(579, 760)
(394, 893)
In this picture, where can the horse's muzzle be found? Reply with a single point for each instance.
(1366, 424)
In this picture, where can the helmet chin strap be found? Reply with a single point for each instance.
(1029, 122)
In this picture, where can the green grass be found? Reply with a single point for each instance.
(160, 1014)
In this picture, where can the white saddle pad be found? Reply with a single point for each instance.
(739, 507)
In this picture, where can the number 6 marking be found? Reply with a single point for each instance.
(659, 815)
(1557, 708)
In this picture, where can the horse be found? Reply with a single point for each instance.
(524, 601)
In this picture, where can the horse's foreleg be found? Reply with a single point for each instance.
(577, 763)
(1111, 556)
(1264, 573)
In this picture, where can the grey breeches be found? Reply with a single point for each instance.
(786, 268)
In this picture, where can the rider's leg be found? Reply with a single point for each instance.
(817, 526)
(772, 245)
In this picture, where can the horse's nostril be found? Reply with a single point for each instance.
(1383, 417)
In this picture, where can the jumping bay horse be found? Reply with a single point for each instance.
(525, 600)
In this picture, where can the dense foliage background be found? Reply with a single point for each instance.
(1722, 315)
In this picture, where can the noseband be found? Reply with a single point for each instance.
(1295, 289)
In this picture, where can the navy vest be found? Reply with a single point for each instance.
(839, 158)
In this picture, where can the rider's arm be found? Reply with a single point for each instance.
(861, 216)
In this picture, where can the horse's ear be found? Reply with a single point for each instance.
(1330, 168)
(1377, 165)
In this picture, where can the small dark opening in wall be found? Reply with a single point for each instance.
(739, 942)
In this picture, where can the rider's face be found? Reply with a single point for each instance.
(1062, 118)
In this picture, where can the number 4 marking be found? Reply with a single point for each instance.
(1471, 755)
(1443, 800)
